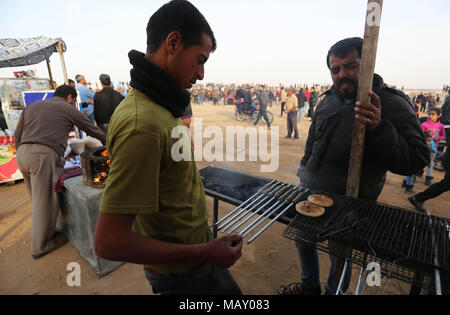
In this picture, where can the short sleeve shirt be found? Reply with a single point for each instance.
(148, 180)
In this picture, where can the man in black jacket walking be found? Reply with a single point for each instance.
(394, 142)
(312, 102)
(445, 118)
(263, 99)
(105, 103)
(301, 97)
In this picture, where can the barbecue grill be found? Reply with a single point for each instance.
(407, 245)
(410, 247)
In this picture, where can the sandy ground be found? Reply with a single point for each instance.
(266, 264)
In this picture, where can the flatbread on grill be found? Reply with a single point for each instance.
(321, 200)
(309, 209)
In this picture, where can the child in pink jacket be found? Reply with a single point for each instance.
(437, 131)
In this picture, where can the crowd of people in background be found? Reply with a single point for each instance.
(98, 104)
(226, 94)
(242, 96)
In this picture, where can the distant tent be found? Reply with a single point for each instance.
(27, 51)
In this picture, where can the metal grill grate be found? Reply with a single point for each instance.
(402, 242)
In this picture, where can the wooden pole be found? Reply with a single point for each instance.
(63, 63)
(368, 59)
(50, 75)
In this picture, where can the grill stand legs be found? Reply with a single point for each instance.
(341, 281)
(341, 252)
(215, 216)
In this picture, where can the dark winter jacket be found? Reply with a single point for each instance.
(240, 94)
(445, 117)
(313, 99)
(105, 103)
(262, 98)
(301, 96)
(397, 145)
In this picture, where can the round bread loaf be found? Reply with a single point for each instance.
(309, 209)
(322, 201)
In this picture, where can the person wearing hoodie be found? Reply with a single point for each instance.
(437, 133)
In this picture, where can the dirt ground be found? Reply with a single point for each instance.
(265, 265)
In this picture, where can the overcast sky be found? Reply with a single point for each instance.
(283, 41)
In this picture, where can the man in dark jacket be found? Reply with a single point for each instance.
(423, 102)
(445, 118)
(240, 96)
(105, 103)
(312, 102)
(263, 99)
(301, 96)
(394, 142)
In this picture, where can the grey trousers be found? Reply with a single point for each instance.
(292, 124)
(205, 280)
(41, 167)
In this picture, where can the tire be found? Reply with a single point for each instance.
(270, 116)
(255, 114)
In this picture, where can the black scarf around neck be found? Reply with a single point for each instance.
(157, 85)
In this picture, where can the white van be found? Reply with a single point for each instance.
(12, 99)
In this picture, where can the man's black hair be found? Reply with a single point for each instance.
(180, 16)
(105, 79)
(65, 90)
(344, 47)
(71, 81)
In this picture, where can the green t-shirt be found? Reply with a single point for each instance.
(167, 196)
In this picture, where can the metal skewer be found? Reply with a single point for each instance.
(274, 197)
(266, 187)
(283, 200)
(280, 190)
(251, 205)
(294, 198)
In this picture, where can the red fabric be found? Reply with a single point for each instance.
(68, 173)
(308, 95)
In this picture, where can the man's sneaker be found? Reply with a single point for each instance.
(297, 289)
(409, 189)
(428, 181)
(419, 206)
(438, 168)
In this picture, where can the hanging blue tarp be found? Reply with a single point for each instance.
(27, 51)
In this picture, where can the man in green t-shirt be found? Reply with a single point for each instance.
(153, 210)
